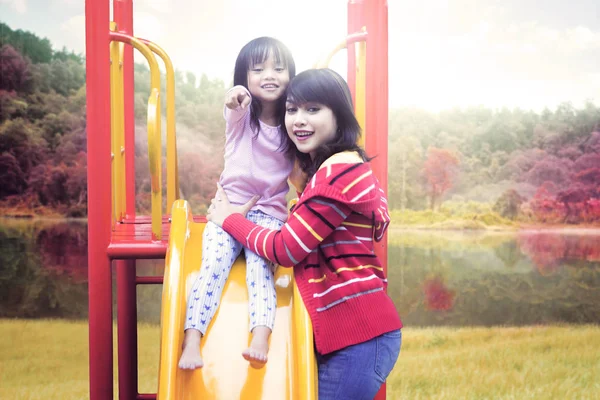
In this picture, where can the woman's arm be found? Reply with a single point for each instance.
(306, 228)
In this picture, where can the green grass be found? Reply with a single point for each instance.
(45, 359)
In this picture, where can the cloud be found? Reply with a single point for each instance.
(73, 34)
(19, 6)
(161, 6)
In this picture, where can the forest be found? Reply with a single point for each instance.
(509, 164)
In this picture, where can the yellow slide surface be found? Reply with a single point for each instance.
(291, 370)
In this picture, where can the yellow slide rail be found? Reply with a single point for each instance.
(154, 132)
(361, 74)
(117, 128)
(172, 168)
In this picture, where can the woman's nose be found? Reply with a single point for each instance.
(300, 120)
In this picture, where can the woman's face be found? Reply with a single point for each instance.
(310, 126)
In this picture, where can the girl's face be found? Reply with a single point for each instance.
(268, 80)
(310, 126)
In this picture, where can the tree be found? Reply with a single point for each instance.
(67, 76)
(64, 55)
(573, 199)
(440, 170)
(31, 46)
(552, 169)
(11, 176)
(544, 206)
(509, 204)
(14, 69)
(404, 161)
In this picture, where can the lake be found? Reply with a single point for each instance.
(436, 278)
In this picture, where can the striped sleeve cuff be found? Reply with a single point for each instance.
(239, 227)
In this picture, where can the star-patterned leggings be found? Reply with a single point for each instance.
(218, 254)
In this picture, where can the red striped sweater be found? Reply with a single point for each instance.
(328, 239)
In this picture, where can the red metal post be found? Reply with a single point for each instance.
(99, 199)
(376, 141)
(127, 329)
(355, 24)
(126, 273)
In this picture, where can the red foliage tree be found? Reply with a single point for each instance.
(440, 170)
(14, 69)
(550, 169)
(544, 205)
(573, 199)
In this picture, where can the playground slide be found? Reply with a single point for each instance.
(291, 370)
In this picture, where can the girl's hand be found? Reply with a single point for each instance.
(220, 207)
(237, 97)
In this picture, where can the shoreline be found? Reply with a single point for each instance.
(464, 225)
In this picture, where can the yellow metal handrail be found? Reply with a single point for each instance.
(172, 164)
(154, 134)
(360, 88)
(361, 76)
(117, 128)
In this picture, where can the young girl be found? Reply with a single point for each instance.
(329, 238)
(258, 161)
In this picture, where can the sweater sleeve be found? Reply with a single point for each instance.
(304, 230)
(234, 116)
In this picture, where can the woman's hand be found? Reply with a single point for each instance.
(220, 208)
(237, 97)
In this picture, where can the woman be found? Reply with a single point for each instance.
(329, 240)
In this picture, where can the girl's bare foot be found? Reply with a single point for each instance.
(256, 354)
(190, 356)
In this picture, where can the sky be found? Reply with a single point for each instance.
(443, 54)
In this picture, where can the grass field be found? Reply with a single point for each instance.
(47, 359)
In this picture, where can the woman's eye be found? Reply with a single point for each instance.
(257, 69)
(290, 110)
(279, 69)
(312, 109)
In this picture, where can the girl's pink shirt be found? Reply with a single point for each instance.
(255, 164)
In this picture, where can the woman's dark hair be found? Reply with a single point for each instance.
(256, 52)
(327, 87)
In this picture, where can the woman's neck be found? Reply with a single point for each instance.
(268, 114)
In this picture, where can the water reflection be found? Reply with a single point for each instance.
(467, 278)
(435, 278)
(43, 269)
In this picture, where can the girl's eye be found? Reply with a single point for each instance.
(279, 69)
(256, 69)
(312, 109)
(290, 110)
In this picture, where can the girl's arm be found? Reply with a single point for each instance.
(305, 229)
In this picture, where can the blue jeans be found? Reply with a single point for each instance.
(357, 372)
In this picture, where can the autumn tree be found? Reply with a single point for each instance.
(440, 170)
(14, 69)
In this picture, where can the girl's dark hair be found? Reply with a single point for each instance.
(327, 87)
(256, 52)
